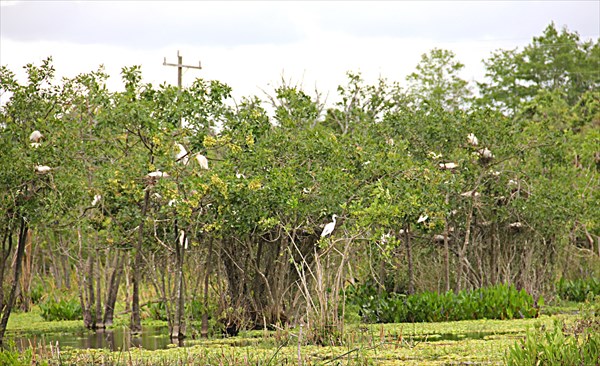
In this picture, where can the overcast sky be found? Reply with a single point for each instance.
(252, 45)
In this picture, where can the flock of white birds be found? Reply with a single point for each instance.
(183, 157)
(35, 139)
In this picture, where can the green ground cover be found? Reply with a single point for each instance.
(442, 343)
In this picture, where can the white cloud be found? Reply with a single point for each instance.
(251, 45)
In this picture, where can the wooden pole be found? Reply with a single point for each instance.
(180, 67)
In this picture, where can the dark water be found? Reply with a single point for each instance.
(151, 338)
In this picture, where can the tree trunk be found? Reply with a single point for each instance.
(98, 278)
(178, 331)
(26, 277)
(136, 321)
(447, 248)
(204, 327)
(113, 289)
(462, 251)
(15, 284)
(411, 279)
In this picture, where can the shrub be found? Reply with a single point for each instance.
(64, 309)
(496, 302)
(578, 289)
(576, 344)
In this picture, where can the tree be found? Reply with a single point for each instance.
(437, 81)
(553, 61)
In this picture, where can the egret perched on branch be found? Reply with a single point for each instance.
(42, 169)
(486, 153)
(35, 136)
(158, 174)
(202, 160)
(473, 140)
(422, 218)
(328, 229)
(183, 240)
(448, 166)
(97, 199)
(182, 155)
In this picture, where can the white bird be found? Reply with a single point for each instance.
(328, 229)
(472, 139)
(158, 174)
(96, 199)
(42, 169)
(422, 218)
(202, 160)
(448, 166)
(183, 240)
(35, 136)
(182, 156)
(486, 153)
(171, 203)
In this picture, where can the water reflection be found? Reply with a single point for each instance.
(116, 339)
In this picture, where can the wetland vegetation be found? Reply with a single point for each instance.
(436, 221)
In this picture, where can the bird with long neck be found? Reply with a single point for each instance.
(328, 229)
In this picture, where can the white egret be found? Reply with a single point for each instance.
(422, 218)
(202, 160)
(472, 139)
(448, 166)
(486, 153)
(97, 199)
(182, 155)
(35, 136)
(183, 240)
(515, 225)
(42, 169)
(328, 229)
(158, 174)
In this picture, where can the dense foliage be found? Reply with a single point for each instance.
(175, 196)
(562, 343)
(495, 302)
(578, 289)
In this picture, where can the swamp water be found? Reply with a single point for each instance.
(114, 339)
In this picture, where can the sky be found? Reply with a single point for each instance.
(254, 45)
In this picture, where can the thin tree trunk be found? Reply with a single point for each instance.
(98, 316)
(178, 330)
(462, 251)
(113, 289)
(136, 321)
(204, 327)
(17, 274)
(447, 248)
(26, 277)
(411, 279)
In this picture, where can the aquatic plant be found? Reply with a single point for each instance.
(495, 302)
